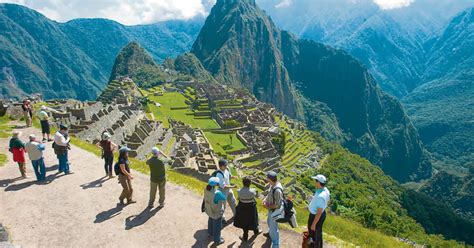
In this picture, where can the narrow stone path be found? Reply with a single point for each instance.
(80, 210)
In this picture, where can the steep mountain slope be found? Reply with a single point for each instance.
(240, 45)
(129, 60)
(74, 59)
(35, 56)
(443, 107)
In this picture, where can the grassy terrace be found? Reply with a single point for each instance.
(5, 127)
(173, 105)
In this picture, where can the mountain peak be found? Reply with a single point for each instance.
(129, 59)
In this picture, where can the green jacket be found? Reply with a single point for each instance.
(16, 143)
(157, 169)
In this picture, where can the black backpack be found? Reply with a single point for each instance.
(117, 169)
(287, 208)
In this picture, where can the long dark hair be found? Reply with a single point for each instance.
(123, 156)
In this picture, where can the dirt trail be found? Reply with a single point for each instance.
(80, 210)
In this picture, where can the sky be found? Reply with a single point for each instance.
(132, 12)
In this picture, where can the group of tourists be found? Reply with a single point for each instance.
(217, 192)
(35, 148)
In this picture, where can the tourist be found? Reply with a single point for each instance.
(35, 153)
(157, 176)
(273, 202)
(27, 112)
(108, 147)
(61, 147)
(17, 148)
(44, 121)
(124, 176)
(224, 176)
(214, 205)
(246, 216)
(317, 209)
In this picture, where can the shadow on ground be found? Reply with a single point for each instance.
(24, 185)
(108, 214)
(95, 184)
(141, 218)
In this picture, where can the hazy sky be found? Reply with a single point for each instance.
(133, 12)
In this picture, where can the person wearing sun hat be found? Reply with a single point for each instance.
(124, 176)
(108, 148)
(317, 212)
(44, 121)
(157, 176)
(214, 206)
(17, 148)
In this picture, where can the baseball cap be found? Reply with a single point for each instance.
(272, 175)
(320, 178)
(155, 150)
(223, 162)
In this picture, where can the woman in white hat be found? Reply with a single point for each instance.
(17, 148)
(108, 148)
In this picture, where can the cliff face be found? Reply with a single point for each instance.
(240, 46)
(327, 88)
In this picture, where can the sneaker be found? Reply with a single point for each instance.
(69, 172)
(150, 206)
(267, 235)
(49, 140)
(131, 202)
(44, 139)
(162, 205)
(121, 202)
(220, 242)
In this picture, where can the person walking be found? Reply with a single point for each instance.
(157, 176)
(35, 153)
(273, 202)
(246, 215)
(317, 209)
(224, 176)
(27, 112)
(214, 206)
(17, 148)
(61, 147)
(124, 176)
(108, 147)
(44, 121)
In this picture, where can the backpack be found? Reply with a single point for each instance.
(117, 169)
(287, 208)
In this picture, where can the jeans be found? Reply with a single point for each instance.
(214, 227)
(109, 160)
(317, 235)
(273, 231)
(39, 168)
(161, 188)
(63, 162)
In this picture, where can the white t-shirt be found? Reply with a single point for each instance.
(320, 200)
(224, 180)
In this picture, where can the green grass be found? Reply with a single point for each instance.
(221, 143)
(171, 100)
(5, 127)
(3, 159)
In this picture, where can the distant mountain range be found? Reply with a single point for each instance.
(74, 59)
(421, 54)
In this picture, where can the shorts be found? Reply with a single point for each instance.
(45, 127)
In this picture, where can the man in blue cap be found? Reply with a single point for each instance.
(61, 147)
(214, 206)
(317, 209)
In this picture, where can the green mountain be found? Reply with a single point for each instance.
(74, 59)
(129, 60)
(443, 107)
(325, 87)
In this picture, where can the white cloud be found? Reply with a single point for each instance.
(393, 4)
(284, 3)
(128, 12)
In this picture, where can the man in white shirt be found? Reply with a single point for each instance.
(317, 209)
(44, 121)
(224, 176)
(35, 153)
(61, 147)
